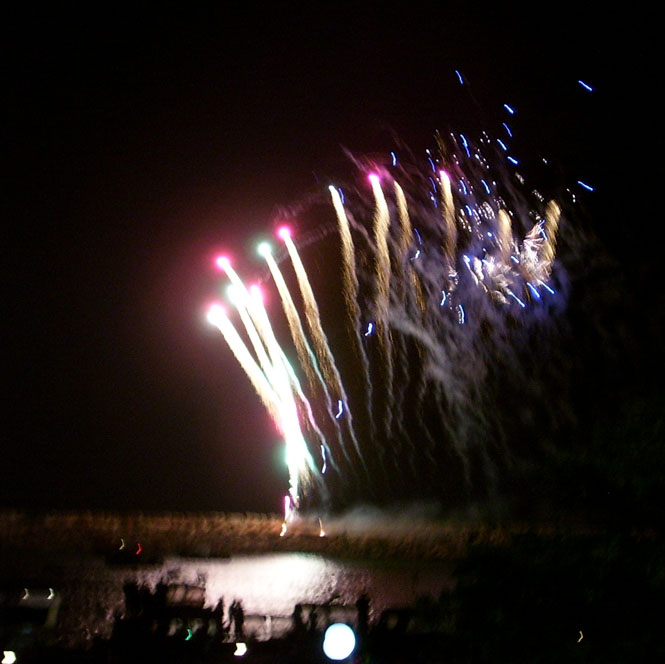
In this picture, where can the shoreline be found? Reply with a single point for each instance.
(219, 534)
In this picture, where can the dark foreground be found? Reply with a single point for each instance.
(539, 595)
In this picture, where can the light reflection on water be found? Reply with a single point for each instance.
(267, 585)
(272, 584)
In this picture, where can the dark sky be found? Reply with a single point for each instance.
(138, 144)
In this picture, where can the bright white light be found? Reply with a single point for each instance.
(9, 657)
(241, 649)
(256, 292)
(223, 262)
(264, 249)
(338, 641)
(233, 295)
(215, 315)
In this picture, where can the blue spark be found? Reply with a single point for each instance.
(588, 187)
(370, 329)
(460, 309)
(417, 255)
(459, 76)
(586, 86)
(510, 109)
(517, 300)
(394, 156)
(512, 160)
(469, 210)
(507, 128)
(431, 163)
(464, 189)
(341, 194)
(487, 189)
(420, 240)
(533, 290)
(504, 147)
(466, 145)
(515, 260)
(546, 287)
(340, 409)
(325, 462)
(444, 298)
(431, 179)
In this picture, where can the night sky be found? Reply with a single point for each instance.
(139, 144)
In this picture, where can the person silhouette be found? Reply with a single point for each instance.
(313, 620)
(237, 618)
(218, 617)
(362, 606)
(297, 620)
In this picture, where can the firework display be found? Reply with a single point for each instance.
(425, 376)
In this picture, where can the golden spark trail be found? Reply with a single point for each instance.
(298, 456)
(257, 324)
(219, 319)
(313, 318)
(350, 281)
(411, 289)
(241, 301)
(406, 230)
(245, 306)
(448, 214)
(305, 355)
(539, 246)
(505, 235)
(325, 448)
(264, 328)
(282, 408)
(382, 302)
(381, 227)
(348, 260)
(552, 217)
(321, 346)
(405, 236)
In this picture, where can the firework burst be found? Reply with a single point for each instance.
(450, 283)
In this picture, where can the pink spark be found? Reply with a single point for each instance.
(223, 263)
(284, 232)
